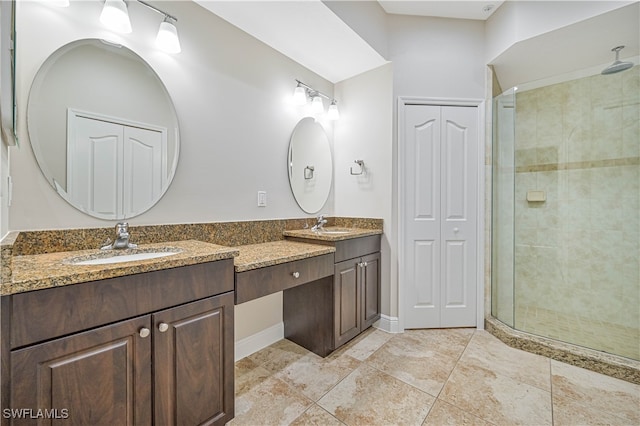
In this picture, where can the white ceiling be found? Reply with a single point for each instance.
(470, 9)
(306, 31)
(311, 34)
(572, 48)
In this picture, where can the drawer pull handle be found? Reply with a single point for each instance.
(163, 326)
(144, 332)
(296, 274)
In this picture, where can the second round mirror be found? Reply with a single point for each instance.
(310, 165)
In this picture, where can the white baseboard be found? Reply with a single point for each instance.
(388, 324)
(262, 339)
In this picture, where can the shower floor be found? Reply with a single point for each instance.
(578, 330)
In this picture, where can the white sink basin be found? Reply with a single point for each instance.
(334, 231)
(113, 257)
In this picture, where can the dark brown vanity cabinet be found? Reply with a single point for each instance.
(356, 297)
(170, 362)
(101, 376)
(325, 314)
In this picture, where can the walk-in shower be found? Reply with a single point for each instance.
(566, 211)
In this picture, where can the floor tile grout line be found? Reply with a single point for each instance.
(395, 378)
(436, 398)
(360, 362)
(449, 376)
(456, 364)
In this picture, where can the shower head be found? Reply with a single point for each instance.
(617, 65)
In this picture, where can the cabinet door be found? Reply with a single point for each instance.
(346, 294)
(193, 363)
(370, 282)
(102, 376)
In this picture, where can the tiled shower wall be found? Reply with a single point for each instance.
(577, 254)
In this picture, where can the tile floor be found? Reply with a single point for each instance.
(425, 377)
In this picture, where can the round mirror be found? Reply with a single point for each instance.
(310, 166)
(103, 129)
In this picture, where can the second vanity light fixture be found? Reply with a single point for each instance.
(303, 92)
(115, 15)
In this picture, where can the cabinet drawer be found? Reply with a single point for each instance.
(45, 314)
(356, 247)
(272, 279)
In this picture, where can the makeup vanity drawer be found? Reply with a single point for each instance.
(260, 282)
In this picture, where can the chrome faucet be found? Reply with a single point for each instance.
(122, 238)
(321, 221)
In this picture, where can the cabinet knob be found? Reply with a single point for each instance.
(456, 230)
(365, 264)
(296, 274)
(144, 332)
(163, 326)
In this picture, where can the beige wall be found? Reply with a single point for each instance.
(364, 132)
(235, 119)
(235, 124)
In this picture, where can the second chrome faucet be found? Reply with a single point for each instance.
(321, 221)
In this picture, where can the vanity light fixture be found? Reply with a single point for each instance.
(116, 17)
(317, 107)
(300, 95)
(167, 38)
(332, 112)
(303, 92)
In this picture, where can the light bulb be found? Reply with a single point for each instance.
(317, 107)
(333, 113)
(299, 96)
(115, 16)
(167, 38)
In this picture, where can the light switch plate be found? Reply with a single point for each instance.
(262, 198)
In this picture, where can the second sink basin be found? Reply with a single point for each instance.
(334, 231)
(106, 258)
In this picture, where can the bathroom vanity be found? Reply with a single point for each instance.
(324, 315)
(330, 282)
(153, 347)
(151, 340)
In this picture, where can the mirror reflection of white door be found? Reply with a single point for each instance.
(440, 231)
(143, 171)
(113, 169)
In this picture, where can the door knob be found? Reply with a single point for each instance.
(144, 332)
(163, 326)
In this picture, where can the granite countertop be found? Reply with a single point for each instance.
(344, 233)
(256, 256)
(40, 271)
